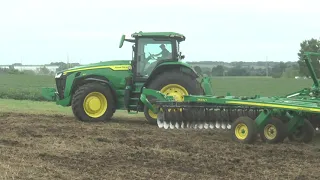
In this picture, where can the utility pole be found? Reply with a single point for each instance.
(68, 65)
(267, 69)
(21, 63)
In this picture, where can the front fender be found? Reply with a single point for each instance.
(94, 78)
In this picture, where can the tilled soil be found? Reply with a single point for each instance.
(59, 147)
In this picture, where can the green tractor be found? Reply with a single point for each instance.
(95, 91)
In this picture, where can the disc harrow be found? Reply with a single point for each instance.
(311, 93)
(272, 118)
(295, 115)
(184, 115)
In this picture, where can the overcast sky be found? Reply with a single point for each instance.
(42, 31)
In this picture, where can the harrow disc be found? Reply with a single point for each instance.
(183, 115)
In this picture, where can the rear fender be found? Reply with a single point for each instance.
(176, 66)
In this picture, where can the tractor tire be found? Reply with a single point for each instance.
(274, 131)
(172, 83)
(304, 134)
(244, 130)
(93, 102)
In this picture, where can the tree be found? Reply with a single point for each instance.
(217, 71)
(238, 71)
(278, 69)
(290, 72)
(64, 66)
(282, 66)
(44, 70)
(206, 71)
(312, 45)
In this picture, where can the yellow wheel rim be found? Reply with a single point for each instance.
(152, 115)
(270, 131)
(241, 131)
(174, 90)
(95, 104)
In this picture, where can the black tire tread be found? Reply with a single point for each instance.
(252, 127)
(79, 95)
(193, 86)
(308, 133)
(281, 131)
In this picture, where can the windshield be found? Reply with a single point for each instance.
(150, 51)
(160, 49)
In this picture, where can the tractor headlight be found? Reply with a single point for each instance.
(58, 75)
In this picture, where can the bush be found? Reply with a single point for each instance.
(276, 75)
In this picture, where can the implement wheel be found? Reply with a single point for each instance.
(176, 84)
(274, 131)
(303, 133)
(244, 130)
(93, 102)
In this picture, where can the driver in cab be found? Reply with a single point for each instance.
(165, 53)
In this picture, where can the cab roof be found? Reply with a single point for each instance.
(178, 36)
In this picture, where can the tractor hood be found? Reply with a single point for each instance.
(93, 65)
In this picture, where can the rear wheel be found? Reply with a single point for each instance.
(274, 131)
(176, 84)
(304, 133)
(93, 102)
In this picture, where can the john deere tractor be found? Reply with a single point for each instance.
(95, 91)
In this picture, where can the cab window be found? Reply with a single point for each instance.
(149, 52)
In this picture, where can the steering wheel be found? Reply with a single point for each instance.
(146, 61)
(151, 56)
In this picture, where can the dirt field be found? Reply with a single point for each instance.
(59, 147)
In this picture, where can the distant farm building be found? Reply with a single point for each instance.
(35, 68)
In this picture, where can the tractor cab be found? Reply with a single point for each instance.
(155, 63)
(152, 49)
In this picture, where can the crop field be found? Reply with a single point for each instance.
(40, 140)
(28, 87)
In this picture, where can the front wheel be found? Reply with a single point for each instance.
(93, 102)
(244, 130)
(176, 84)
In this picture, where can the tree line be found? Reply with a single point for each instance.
(266, 68)
(43, 70)
(280, 69)
(273, 69)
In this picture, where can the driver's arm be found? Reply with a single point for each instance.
(158, 54)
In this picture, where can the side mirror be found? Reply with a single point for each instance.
(122, 40)
(181, 56)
